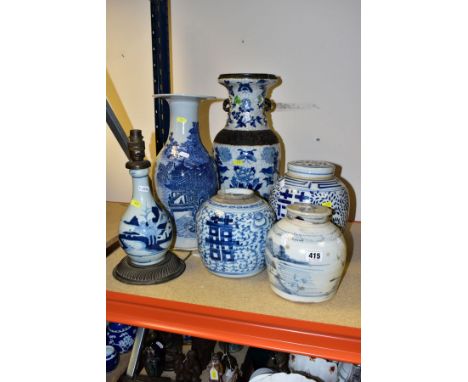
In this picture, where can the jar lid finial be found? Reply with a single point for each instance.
(313, 169)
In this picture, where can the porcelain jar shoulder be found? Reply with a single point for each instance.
(232, 227)
(305, 254)
(121, 336)
(312, 182)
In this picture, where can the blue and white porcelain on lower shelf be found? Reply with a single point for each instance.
(321, 369)
(121, 336)
(305, 254)
(112, 358)
(185, 173)
(314, 182)
(268, 375)
(232, 227)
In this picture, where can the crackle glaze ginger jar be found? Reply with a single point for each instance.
(232, 227)
(305, 254)
(314, 182)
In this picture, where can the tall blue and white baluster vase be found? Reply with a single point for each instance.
(145, 231)
(185, 174)
(247, 151)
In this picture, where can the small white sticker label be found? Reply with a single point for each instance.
(314, 257)
(143, 188)
(184, 154)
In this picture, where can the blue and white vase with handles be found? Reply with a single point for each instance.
(185, 174)
(305, 254)
(232, 227)
(314, 182)
(247, 151)
(145, 231)
(121, 336)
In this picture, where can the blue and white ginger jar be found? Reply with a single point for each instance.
(314, 182)
(305, 254)
(185, 173)
(121, 336)
(247, 151)
(232, 227)
(112, 358)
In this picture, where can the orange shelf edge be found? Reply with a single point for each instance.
(268, 332)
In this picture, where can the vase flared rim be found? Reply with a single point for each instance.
(255, 76)
(184, 96)
(236, 196)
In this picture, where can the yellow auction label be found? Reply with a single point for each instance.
(238, 162)
(214, 374)
(135, 203)
(327, 204)
(181, 119)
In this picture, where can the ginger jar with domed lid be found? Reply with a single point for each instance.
(314, 182)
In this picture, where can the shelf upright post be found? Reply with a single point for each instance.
(116, 128)
(136, 351)
(161, 67)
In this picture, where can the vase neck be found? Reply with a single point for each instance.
(141, 189)
(247, 107)
(183, 119)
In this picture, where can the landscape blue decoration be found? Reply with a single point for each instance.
(145, 231)
(185, 174)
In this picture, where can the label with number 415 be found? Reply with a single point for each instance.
(314, 257)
